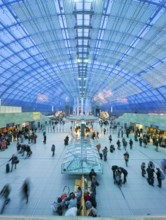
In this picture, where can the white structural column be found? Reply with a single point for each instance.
(82, 106)
(77, 106)
(88, 106)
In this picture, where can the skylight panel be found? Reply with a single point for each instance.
(5, 17)
(14, 59)
(26, 42)
(80, 22)
(15, 46)
(6, 64)
(24, 55)
(5, 36)
(33, 51)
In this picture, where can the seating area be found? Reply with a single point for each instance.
(85, 186)
(134, 199)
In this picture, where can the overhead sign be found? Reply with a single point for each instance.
(36, 116)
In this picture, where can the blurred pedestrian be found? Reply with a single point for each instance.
(44, 139)
(105, 151)
(5, 192)
(53, 150)
(143, 169)
(25, 190)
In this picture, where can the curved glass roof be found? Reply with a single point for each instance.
(111, 52)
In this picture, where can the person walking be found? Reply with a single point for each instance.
(110, 138)
(140, 141)
(14, 161)
(5, 192)
(105, 151)
(44, 139)
(53, 150)
(143, 169)
(118, 144)
(126, 158)
(25, 190)
(34, 138)
(131, 143)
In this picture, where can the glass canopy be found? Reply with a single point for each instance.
(111, 52)
(81, 156)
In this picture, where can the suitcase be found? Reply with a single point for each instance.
(7, 168)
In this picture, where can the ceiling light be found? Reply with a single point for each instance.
(86, 60)
(78, 60)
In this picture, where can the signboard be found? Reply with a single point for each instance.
(36, 116)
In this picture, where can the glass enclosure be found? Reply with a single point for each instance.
(81, 156)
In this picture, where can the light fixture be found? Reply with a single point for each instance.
(78, 60)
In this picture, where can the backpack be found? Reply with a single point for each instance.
(162, 176)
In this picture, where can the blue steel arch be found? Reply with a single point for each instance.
(117, 56)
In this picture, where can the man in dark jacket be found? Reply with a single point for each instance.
(125, 173)
(114, 168)
(150, 171)
(92, 173)
(14, 160)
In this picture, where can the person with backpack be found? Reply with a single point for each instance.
(160, 176)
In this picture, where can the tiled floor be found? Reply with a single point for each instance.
(135, 198)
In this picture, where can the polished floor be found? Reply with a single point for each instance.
(134, 199)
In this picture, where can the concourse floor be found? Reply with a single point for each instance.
(134, 199)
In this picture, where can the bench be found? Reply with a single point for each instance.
(81, 183)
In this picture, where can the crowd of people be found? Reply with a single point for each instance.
(71, 203)
(150, 171)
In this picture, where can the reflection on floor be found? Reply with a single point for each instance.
(135, 198)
